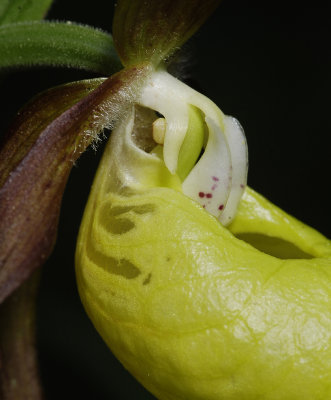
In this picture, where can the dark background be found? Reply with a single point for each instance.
(266, 64)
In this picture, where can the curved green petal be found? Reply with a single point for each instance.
(57, 44)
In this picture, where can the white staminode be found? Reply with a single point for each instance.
(218, 179)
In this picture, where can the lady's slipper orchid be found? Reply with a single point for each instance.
(191, 308)
(201, 287)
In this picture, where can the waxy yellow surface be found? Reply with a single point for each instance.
(192, 311)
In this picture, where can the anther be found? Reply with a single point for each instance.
(159, 129)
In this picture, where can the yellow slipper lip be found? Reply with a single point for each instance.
(191, 310)
(195, 310)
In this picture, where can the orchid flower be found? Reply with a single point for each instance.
(201, 287)
(192, 308)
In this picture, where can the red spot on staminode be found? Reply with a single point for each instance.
(201, 194)
(204, 206)
(209, 195)
(242, 186)
(214, 178)
(214, 187)
(221, 207)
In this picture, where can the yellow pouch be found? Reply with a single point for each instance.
(195, 310)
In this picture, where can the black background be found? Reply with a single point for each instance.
(266, 64)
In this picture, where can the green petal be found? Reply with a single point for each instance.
(57, 44)
(152, 30)
(23, 10)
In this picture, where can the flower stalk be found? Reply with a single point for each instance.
(19, 375)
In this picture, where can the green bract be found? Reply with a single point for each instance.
(57, 44)
(23, 10)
